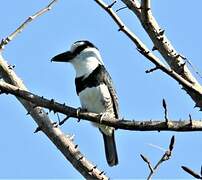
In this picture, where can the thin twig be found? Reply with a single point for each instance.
(166, 156)
(165, 110)
(151, 70)
(25, 23)
(191, 172)
(121, 8)
(190, 119)
(144, 125)
(145, 159)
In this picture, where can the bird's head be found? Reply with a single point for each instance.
(83, 55)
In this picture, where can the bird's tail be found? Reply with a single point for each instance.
(110, 149)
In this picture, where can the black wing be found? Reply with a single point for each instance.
(108, 81)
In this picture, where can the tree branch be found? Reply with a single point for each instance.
(25, 23)
(166, 156)
(164, 46)
(158, 37)
(193, 89)
(145, 7)
(145, 125)
(192, 173)
(146, 160)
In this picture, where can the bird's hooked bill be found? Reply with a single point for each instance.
(63, 57)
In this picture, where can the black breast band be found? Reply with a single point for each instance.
(96, 78)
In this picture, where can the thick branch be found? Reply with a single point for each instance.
(158, 36)
(193, 89)
(145, 7)
(117, 123)
(164, 46)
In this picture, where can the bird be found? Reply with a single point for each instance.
(95, 89)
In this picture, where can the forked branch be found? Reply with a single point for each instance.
(166, 156)
(161, 43)
(190, 85)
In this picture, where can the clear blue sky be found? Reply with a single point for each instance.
(27, 155)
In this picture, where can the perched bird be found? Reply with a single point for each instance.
(94, 88)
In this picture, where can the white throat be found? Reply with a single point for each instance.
(86, 62)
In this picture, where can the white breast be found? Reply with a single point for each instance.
(95, 99)
(98, 100)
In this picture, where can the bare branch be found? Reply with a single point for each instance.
(158, 37)
(171, 145)
(145, 159)
(112, 4)
(164, 46)
(193, 89)
(145, 125)
(201, 171)
(25, 23)
(191, 172)
(125, 7)
(166, 156)
(190, 119)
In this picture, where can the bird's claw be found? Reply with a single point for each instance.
(78, 110)
(102, 116)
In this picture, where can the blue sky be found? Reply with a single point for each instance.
(27, 155)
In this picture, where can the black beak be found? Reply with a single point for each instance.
(63, 57)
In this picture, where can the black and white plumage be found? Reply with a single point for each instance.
(94, 88)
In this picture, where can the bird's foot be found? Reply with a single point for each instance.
(102, 115)
(78, 110)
